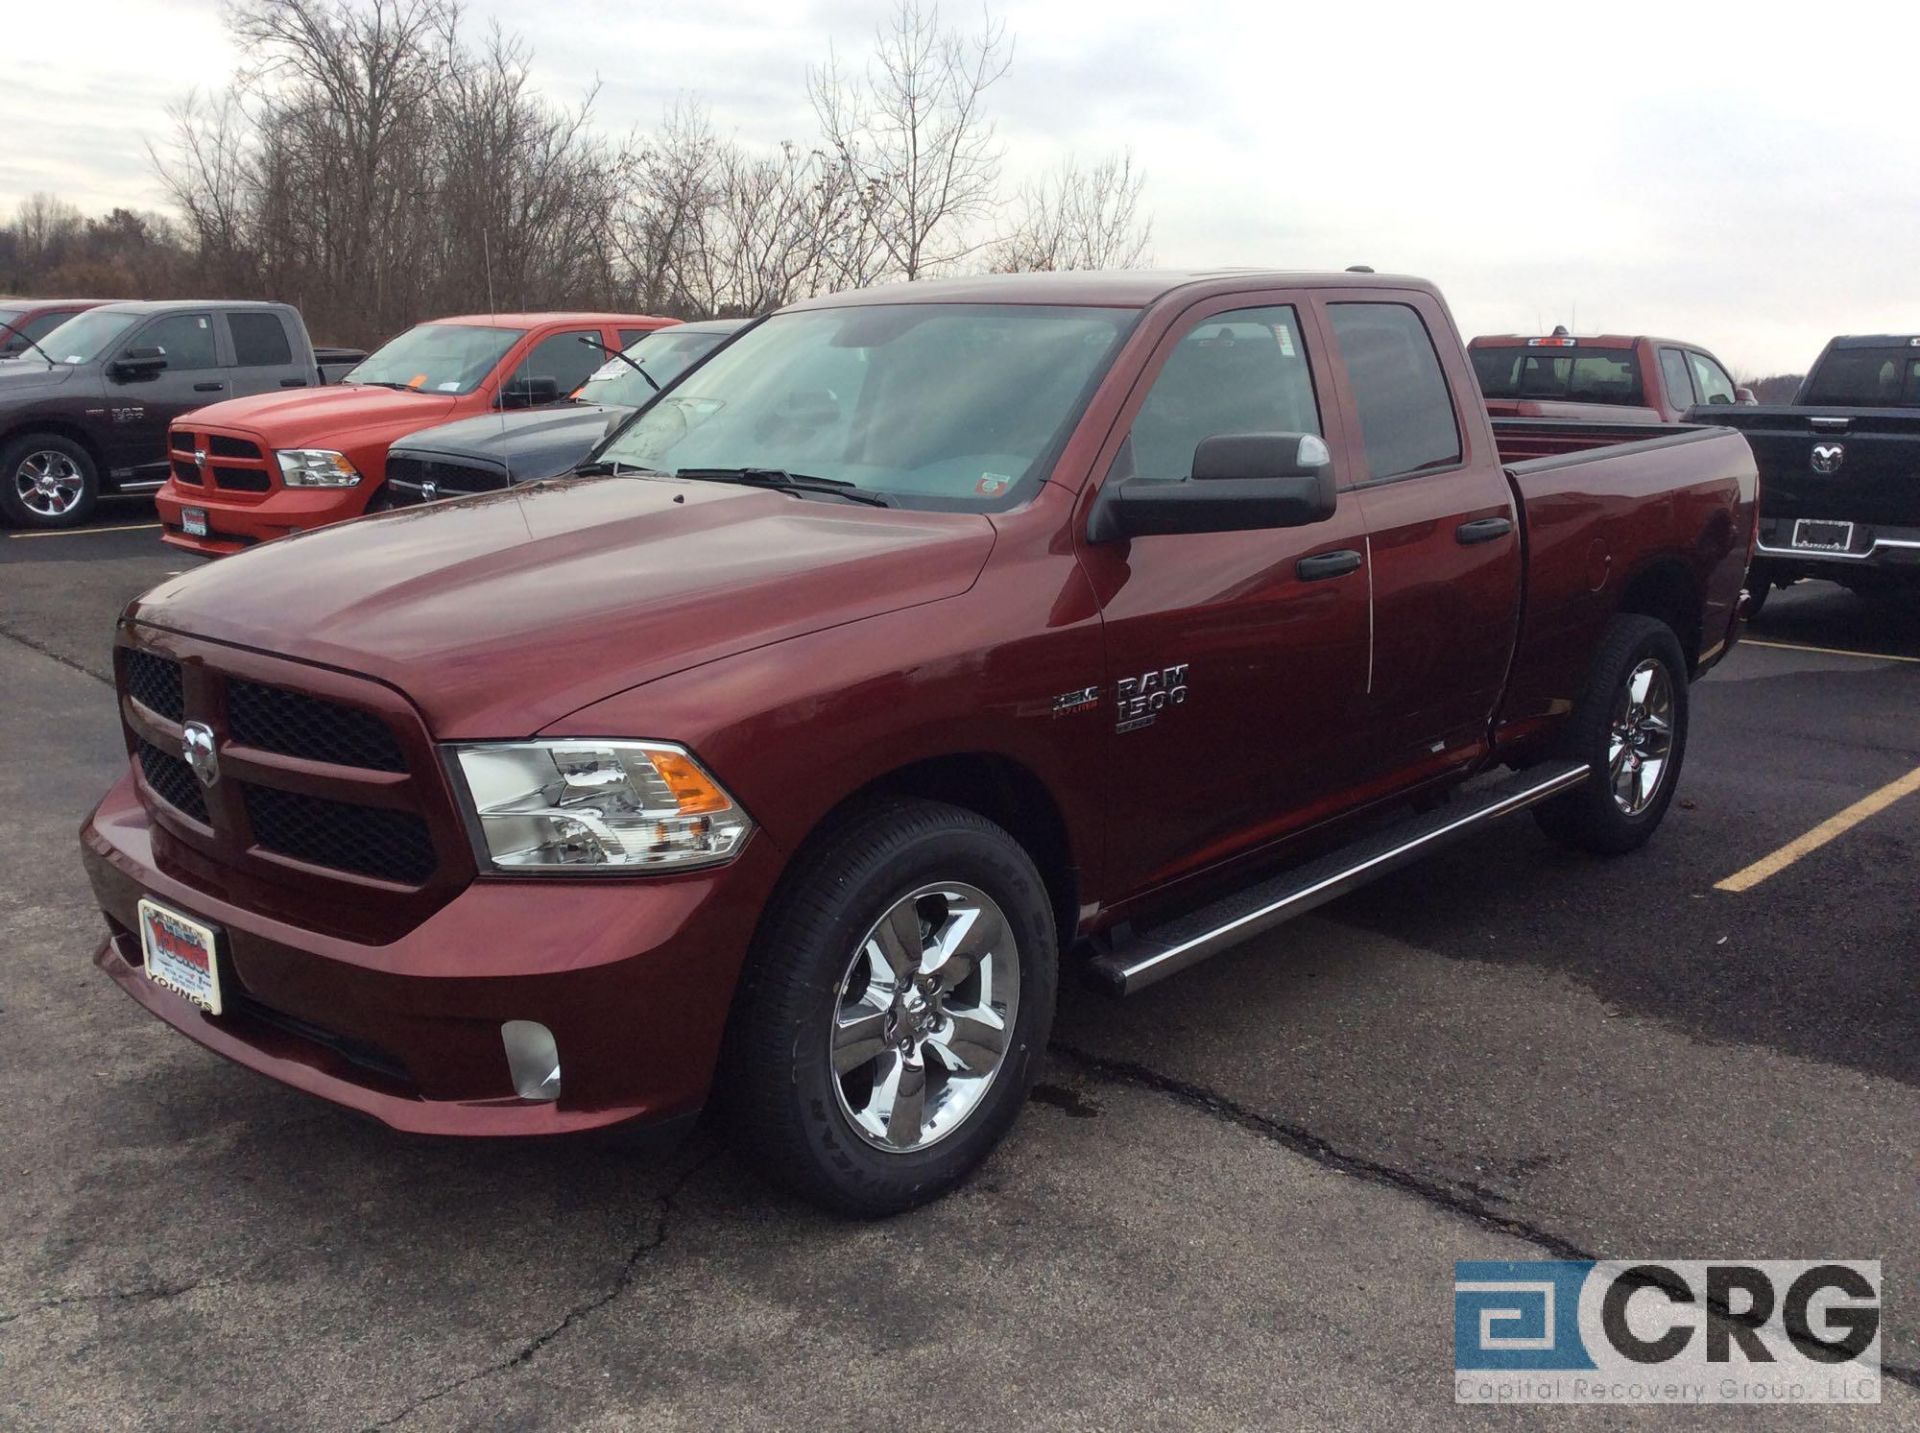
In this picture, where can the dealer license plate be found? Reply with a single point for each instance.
(193, 521)
(1816, 536)
(180, 955)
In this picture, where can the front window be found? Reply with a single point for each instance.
(940, 404)
(664, 355)
(86, 336)
(437, 358)
(1866, 378)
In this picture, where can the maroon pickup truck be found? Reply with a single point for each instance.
(1610, 377)
(924, 642)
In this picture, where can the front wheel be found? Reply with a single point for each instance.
(1630, 727)
(894, 1006)
(47, 481)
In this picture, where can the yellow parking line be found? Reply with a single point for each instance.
(84, 531)
(1835, 825)
(1827, 651)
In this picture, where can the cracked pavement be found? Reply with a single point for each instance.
(1235, 1200)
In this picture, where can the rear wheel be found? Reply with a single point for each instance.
(894, 1006)
(47, 481)
(1630, 727)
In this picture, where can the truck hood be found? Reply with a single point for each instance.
(502, 613)
(541, 443)
(24, 378)
(325, 417)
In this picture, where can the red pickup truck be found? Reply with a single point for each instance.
(1610, 378)
(252, 469)
(922, 640)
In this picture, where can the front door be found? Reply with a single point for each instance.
(1236, 664)
(143, 407)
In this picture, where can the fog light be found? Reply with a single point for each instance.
(533, 1058)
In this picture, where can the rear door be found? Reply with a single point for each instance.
(195, 376)
(1236, 664)
(1441, 531)
(264, 356)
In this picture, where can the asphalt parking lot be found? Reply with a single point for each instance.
(1235, 1202)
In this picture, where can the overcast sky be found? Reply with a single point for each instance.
(1731, 175)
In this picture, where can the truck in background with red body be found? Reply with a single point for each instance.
(1607, 378)
(254, 469)
(920, 641)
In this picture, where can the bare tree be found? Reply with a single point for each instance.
(1079, 218)
(912, 137)
(45, 228)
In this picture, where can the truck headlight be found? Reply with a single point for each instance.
(316, 468)
(596, 805)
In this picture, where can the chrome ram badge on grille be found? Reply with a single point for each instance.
(196, 749)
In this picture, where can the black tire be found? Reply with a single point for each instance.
(1591, 817)
(785, 1101)
(31, 452)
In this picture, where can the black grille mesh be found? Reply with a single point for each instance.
(154, 682)
(173, 781)
(231, 447)
(293, 724)
(181, 442)
(241, 480)
(185, 472)
(368, 840)
(451, 477)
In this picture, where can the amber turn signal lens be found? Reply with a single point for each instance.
(689, 784)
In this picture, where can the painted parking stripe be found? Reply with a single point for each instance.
(86, 531)
(1825, 651)
(1835, 825)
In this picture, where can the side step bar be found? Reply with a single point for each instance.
(1154, 954)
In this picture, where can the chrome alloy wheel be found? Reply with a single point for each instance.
(923, 1016)
(1641, 737)
(49, 483)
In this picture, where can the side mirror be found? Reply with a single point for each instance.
(530, 392)
(1241, 482)
(1744, 396)
(138, 363)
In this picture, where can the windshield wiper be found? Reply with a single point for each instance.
(607, 467)
(376, 383)
(781, 479)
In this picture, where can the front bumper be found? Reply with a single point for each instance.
(236, 521)
(633, 977)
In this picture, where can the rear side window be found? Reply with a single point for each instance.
(259, 340)
(1239, 372)
(563, 358)
(186, 339)
(1406, 413)
(1673, 369)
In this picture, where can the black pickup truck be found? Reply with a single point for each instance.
(1839, 470)
(84, 409)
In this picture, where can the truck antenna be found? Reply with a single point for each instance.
(506, 451)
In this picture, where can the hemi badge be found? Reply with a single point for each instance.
(1067, 703)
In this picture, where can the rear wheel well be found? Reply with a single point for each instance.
(1007, 794)
(1667, 593)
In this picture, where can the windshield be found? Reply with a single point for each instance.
(951, 403)
(1886, 377)
(437, 358)
(665, 355)
(86, 336)
(1593, 375)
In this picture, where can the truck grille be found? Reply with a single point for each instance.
(294, 724)
(221, 446)
(389, 845)
(408, 477)
(354, 789)
(239, 465)
(173, 781)
(185, 472)
(241, 480)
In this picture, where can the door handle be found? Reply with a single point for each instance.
(293, 383)
(1328, 564)
(1482, 529)
(208, 387)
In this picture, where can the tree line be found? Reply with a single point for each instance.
(376, 163)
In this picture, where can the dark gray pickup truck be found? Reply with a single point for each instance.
(85, 409)
(1839, 470)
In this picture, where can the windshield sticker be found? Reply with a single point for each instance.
(450, 387)
(612, 368)
(419, 380)
(991, 485)
(1285, 335)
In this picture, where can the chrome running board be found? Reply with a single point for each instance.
(1153, 955)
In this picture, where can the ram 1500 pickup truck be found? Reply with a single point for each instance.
(252, 470)
(1609, 378)
(1839, 471)
(481, 455)
(84, 410)
(922, 641)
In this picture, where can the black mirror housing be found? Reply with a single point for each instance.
(138, 363)
(530, 392)
(1241, 482)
